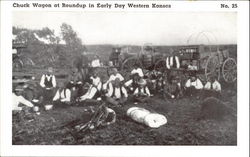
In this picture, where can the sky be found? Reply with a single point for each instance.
(138, 28)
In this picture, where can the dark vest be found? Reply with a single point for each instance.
(48, 82)
(113, 94)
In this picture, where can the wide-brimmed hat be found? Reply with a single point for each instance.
(142, 82)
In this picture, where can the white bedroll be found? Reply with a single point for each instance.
(141, 115)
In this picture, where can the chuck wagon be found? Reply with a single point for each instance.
(19, 60)
(209, 62)
(124, 58)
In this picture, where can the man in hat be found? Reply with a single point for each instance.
(75, 83)
(117, 95)
(48, 84)
(132, 84)
(212, 87)
(18, 99)
(115, 74)
(193, 85)
(141, 93)
(137, 70)
(173, 89)
(62, 96)
(94, 89)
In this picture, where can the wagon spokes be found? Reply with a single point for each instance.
(229, 70)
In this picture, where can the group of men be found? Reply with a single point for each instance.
(114, 89)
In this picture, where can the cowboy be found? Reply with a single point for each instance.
(63, 95)
(172, 89)
(132, 84)
(94, 89)
(18, 99)
(193, 85)
(48, 84)
(117, 95)
(172, 60)
(75, 83)
(115, 74)
(141, 93)
(212, 87)
(96, 62)
(137, 70)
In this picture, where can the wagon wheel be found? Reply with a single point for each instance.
(212, 67)
(160, 65)
(17, 64)
(128, 65)
(229, 70)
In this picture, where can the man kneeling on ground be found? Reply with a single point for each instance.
(141, 93)
(117, 95)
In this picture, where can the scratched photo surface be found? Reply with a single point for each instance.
(124, 78)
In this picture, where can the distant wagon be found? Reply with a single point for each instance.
(124, 58)
(209, 62)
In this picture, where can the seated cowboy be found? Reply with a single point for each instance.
(137, 70)
(48, 84)
(96, 62)
(114, 75)
(117, 95)
(141, 93)
(104, 116)
(94, 88)
(62, 96)
(193, 65)
(212, 87)
(18, 100)
(172, 89)
(132, 84)
(193, 85)
(75, 83)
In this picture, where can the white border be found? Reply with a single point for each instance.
(242, 148)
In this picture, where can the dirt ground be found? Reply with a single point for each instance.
(184, 127)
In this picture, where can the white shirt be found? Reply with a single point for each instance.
(117, 93)
(96, 63)
(19, 99)
(138, 71)
(48, 77)
(63, 96)
(215, 86)
(197, 84)
(113, 77)
(96, 82)
(147, 92)
(192, 67)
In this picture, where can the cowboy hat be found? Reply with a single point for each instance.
(142, 82)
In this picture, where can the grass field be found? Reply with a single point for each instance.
(184, 125)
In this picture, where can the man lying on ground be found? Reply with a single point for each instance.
(18, 100)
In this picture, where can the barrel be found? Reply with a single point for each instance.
(141, 115)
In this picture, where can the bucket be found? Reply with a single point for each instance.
(141, 115)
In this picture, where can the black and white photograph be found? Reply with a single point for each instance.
(124, 78)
